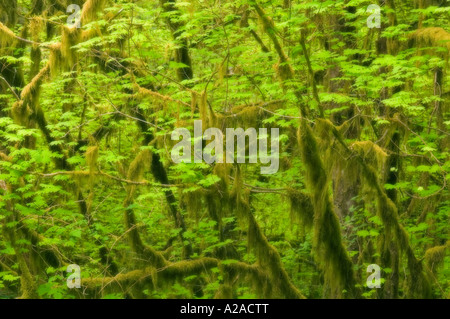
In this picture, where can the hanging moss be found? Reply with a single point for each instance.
(239, 198)
(146, 253)
(31, 91)
(90, 9)
(329, 249)
(158, 97)
(36, 27)
(419, 285)
(92, 157)
(267, 255)
(432, 36)
(27, 283)
(193, 202)
(302, 209)
(55, 61)
(151, 277)
(435, 256)
(284, 69)
(139, 165)
(70, 36)
(7, 37)
(49, 254)
(187, 267)
(245, 116)
(256, 276)
(223, 170)
(118, 282)
(371, 153)
(35, 56)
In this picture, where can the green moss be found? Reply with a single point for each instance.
(435, 256)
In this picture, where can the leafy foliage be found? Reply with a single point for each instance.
(86, 177)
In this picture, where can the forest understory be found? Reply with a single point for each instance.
(92, 204)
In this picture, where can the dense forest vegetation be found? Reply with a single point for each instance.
(92, 90)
